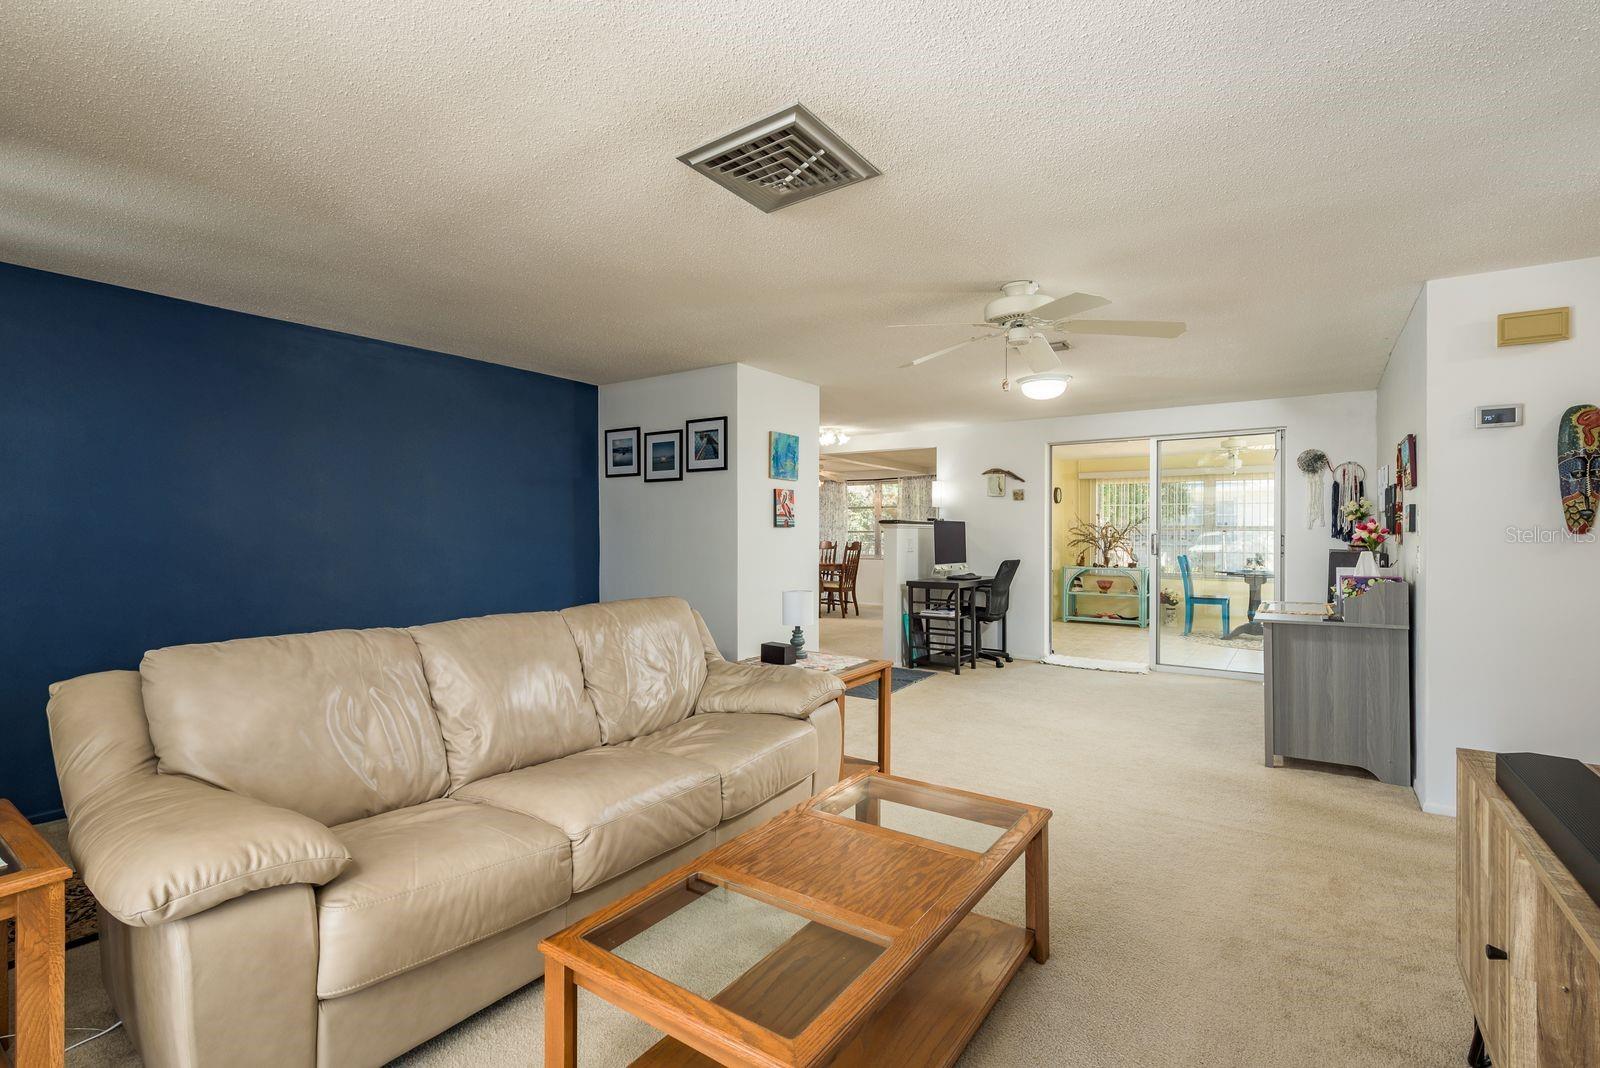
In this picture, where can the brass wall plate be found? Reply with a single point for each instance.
(1535, 327)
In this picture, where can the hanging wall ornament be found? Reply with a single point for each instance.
(1578, 465)
(1312, 463)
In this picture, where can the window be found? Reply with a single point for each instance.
(870, 502)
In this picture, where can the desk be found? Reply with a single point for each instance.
(33, 895)
(963, 592)
(1256, 577)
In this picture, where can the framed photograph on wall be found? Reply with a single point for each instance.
(663, 456)
(622, 452)
(707, 442)
(784, 457)
(783, 507)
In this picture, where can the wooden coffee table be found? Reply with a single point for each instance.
(839, 932)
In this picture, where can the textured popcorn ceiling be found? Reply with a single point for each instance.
(498, 178)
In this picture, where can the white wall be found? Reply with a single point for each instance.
(709, 538)
(773, 559)
(1343, 425)
(1510, 634)
(673, 538)
(1402, 410)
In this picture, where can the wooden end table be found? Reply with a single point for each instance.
(852, 671)
(821, 937)
(33, 896)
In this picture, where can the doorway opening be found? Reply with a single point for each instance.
(858, 492)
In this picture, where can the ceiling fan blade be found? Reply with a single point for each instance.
(1123, 327)
(1069, 305)
(952, 348)
(1040, 356)
(906, 326)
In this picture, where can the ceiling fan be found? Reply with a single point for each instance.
(1019, 315)
(1231, 454)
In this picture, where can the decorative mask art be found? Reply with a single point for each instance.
(1578, 465)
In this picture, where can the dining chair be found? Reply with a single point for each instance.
(839, 582)
(828, 552)
(1190, 600)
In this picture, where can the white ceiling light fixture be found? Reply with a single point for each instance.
(831, 436)
(1046, 386)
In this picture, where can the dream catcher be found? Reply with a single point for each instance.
(1312, 463)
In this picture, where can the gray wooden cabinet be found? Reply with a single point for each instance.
(1340, 692)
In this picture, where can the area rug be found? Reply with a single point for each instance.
(903, 677)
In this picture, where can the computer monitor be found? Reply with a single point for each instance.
(949, 545)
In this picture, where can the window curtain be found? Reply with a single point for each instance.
(916, 497)
(833, 516)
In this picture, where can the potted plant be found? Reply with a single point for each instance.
(1101, 540)
(1169, 605)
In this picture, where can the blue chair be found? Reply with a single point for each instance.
(1190, 600)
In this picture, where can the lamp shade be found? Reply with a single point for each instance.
(796, 607)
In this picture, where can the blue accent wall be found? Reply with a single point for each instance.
(172, 472)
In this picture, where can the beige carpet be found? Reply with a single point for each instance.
(1207, 910)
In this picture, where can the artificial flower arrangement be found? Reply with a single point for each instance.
(1354, 586)
(1357, 510)
(1368, 536)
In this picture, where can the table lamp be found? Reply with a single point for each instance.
(796, 614)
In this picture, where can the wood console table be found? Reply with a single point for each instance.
(1527, 935)
(33, 896)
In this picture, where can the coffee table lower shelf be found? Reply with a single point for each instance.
(928, 1022)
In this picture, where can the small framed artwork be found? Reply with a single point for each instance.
(622, 452)
(1411, 518)
(663, 456)
(784, 460)
(1406, 462)
(707, 441)
(997, 485)
(1017, 495)
(783, 507)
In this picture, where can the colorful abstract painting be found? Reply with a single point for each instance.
(785, 459)
(783, 507)
(1578, 465)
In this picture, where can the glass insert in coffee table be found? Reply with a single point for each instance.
(943, 816)
(773, 964)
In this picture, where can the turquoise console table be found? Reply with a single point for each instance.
(1132, 589)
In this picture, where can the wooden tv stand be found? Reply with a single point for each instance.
(1527, 935)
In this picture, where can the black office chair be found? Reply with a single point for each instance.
(993, 610)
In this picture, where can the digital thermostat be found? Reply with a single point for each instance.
(1499, 415)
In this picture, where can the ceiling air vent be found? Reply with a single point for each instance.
(781, 160)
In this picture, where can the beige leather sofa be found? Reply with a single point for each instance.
(327, 848)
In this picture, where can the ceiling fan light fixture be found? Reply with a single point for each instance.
(831, 436)
(1047, 386)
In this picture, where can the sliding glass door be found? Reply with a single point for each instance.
(1217, 549)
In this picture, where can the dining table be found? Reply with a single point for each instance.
(1255, 577)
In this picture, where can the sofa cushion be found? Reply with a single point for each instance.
(643, 663)
(757, 756)
(508, 690)
(336, 725)
(428, 880)
(619, 806)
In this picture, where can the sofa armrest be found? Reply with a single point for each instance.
(769, 688)
(154, 848)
